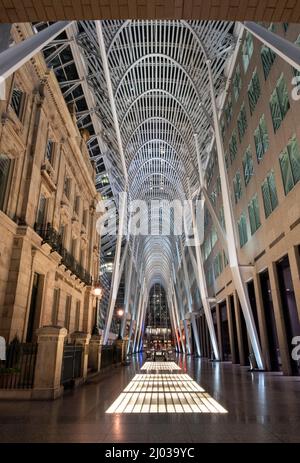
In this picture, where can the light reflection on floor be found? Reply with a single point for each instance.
(158, 366)
(164, 393)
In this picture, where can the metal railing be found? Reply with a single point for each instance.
(17, 371)
(110, 355)
(53, 238)
(71, 364)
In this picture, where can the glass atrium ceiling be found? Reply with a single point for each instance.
(146, 143)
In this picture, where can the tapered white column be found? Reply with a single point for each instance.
(127, 293)
(142, 324)
(230, 232)
(177, 329)
(116, 270)
(176, 312)
(281, 46)
(201, 280)
(189, 299)
(15, 56)
(173, 323)
(133, 318)
(139, 315)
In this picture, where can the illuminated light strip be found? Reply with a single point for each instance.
(164, 393)
(160, 366)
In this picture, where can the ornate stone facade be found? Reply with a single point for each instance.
(49, 248)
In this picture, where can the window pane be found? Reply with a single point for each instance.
(266, 198)
(49, 150)
(5, 163)
(16, 100)
(283, 96)
(264, 133)
(256, 212)
(41, 213)
(294, 153)
(286, 172)
(272, 189)
(275, 111)
(268, 58)
(247, 166)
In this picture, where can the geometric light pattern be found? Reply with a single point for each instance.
(164, 393)
(159, 366)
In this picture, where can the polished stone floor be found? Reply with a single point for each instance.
(262, 407)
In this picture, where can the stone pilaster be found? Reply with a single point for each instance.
(47, 377)
(94, 361)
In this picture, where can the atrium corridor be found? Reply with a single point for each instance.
(149, 221)
(262, 407)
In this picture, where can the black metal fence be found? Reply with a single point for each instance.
(17, 371)
(71, 364)
(54, 239)
(110, 355)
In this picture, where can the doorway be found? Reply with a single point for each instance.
(273, 345)
(289, 307)
(35, 307)
(226, 352)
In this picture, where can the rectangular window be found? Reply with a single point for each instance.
(218, 264)
(279, 103)
(77, 204)
(242, 122)
(237, 187)
(41, 212)
(242, 227)
(73, 247)
(290, 165)
(67, 187)
(62, 233)
(247, 166)
(218, 185)
(228, 110)
(49, 151)
(55, 306)
(254, 92)
(17, 101)
(68, 312)
(247, 50)
(267, 57)
(226, 161)
(85, 217)
(5, 171)
(253, 210)
(285, 26)
(77, 316)
(261, 138)
(237, 82)
(223, 129)
(269, 193)
(233, 146)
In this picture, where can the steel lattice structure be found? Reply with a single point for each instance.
(161, 91)
(160, 87)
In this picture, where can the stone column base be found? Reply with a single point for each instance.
(47, 394)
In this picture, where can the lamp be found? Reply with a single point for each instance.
(97, 292)
(120, 313)
(97, 289)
